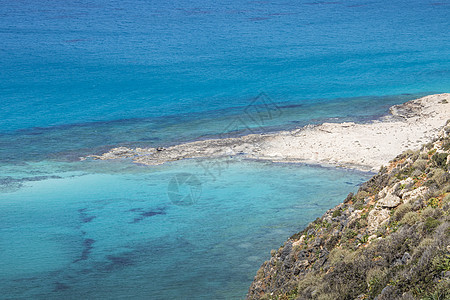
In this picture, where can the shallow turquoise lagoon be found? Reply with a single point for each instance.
(116, 233)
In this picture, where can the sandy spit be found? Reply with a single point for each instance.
(364, 147)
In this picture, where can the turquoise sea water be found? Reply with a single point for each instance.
(80, 77)
(116, 234)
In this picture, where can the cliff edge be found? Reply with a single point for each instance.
(391, 240)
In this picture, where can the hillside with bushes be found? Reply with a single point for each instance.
(391, 240)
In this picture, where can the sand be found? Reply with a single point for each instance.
(365, 147)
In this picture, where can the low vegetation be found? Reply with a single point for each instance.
(389, 241)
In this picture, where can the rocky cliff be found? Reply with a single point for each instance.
(391, 240)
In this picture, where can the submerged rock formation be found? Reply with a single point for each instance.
(389, 241)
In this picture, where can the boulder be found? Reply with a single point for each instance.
(414, 195)
(388, 197)
(389, 201)
(376, 218)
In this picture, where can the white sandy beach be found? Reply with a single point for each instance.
(364, 147)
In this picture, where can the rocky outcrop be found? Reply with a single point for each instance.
(389, 241)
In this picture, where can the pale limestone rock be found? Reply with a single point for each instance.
(299, 242)
(389, 201)
(119, 152)
(390, 197)
(405, 186)
(413, 195)
(376, 218)
(383, 192)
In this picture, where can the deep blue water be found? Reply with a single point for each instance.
(80, 77)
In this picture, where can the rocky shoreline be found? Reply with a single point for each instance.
(360, 146)
(389, 241)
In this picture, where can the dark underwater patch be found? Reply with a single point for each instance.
(84, 217)
(88, 219)
(11, 184)
(259, 18)
(151, 213)
(146, 214)
(136, 209)
(87, 247)
(59, 286)
(290, 106)
(118, 261)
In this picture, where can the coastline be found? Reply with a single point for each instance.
(390, 240)
(361, 146)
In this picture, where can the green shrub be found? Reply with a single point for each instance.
(338, 255)
(446, 204)
(429, 183)
(440, 159)
(308, 280)
(441, 262)
(416, 173)
(382, 230)
(357, 224)
(426, 242)
(445, 189)
(349, 234)
(376, 280)
(440, 176)
(420, 164)
(440, 292)
(401, 211)
(410, 218)
(431, 224)
(337, 213)
(331, 242)
(428, 212)
(361, 195)
(328, 296)
(347, 279)
(446, 199)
